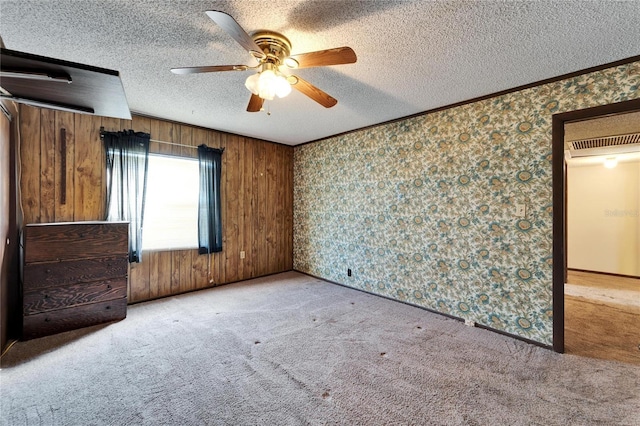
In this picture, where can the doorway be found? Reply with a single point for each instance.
(602, 289)
(590, 313)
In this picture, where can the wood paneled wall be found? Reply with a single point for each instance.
(257, 196)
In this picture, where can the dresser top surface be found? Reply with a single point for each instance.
(86, 222)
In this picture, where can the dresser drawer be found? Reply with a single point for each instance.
(50, 274)
(51, 298)
(78, 240)
(61, 320)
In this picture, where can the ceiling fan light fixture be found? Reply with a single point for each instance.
(283, 88)
(291, 63)
(267, 84)
(251, 83)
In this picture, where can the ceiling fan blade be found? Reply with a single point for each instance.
(255, 103)
(314, 93)
(227, 23)
(213, 68)
(337, 56)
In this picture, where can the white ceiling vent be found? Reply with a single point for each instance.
(609, 145)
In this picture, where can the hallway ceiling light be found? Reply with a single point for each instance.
(611, 163)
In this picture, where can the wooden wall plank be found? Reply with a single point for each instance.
(254, 178)
(186, 138)
(30, 163)
(159, 274)
(64, 212)
(126, 124)
(141, 124)
(154, 286)
(89, 166)
(280, 225)
(111, 124)
(272, 196)
(186, 278)
(175, 138)
(240, 215)
(198, 137)
(164, 271)
(166, 132)
(258, 157)
(139, 274)
(199, 270)
(47, 165)
(231, 223)
(174, 286)
(262, 186)
(154, 130)
(276, 208)
(289, 211)
(248, 208)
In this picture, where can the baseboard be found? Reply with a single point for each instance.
(611, 274)
(206, 288)
(484, 327)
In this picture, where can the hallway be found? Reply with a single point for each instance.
(602, 316)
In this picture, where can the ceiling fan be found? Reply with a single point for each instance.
(272, 50)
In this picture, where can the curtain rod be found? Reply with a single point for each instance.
(183, 145)
(173, 143)
(158, 141)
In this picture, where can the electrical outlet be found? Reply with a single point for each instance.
(521, 210)
(242, 255)
(469, 323)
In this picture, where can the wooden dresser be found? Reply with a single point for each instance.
(75, 275)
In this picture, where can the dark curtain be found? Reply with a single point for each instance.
(127, 162)
(209, 218)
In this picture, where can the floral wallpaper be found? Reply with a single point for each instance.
(424, 210)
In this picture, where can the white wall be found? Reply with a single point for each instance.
(603, 218)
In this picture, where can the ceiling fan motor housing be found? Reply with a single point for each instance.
(274, 45)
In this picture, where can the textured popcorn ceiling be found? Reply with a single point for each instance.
(412, 55)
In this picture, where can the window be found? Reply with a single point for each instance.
(170, 219)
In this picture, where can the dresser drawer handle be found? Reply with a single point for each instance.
(46, 296)
(48, 271)
(108, 307)
(47, 320)
(108, 286)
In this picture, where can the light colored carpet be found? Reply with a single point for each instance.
(291, 350)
